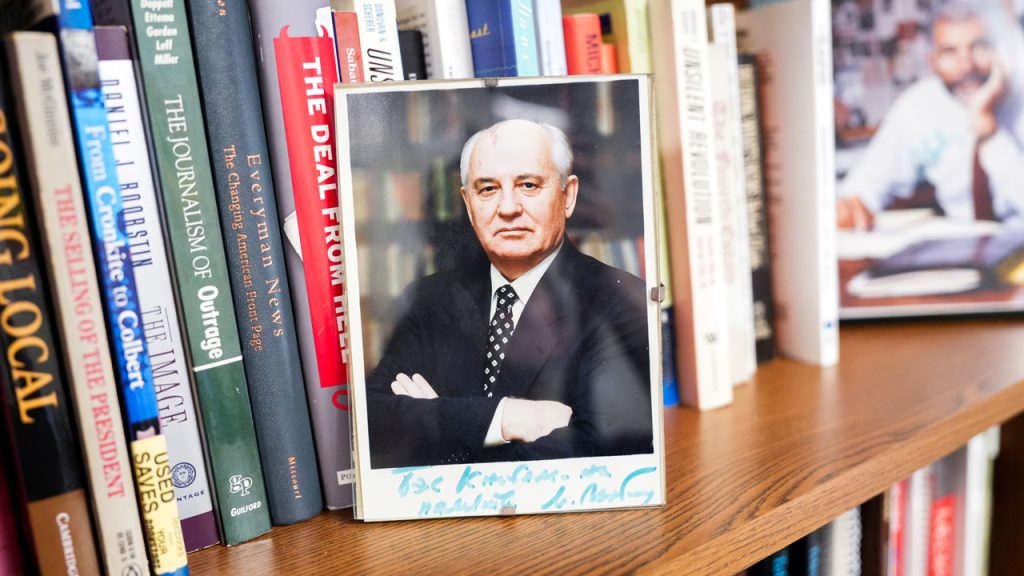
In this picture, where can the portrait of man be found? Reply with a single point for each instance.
(531, 350)
(953, 137)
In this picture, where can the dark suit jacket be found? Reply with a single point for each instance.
(581, 340)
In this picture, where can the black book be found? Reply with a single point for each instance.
(757, 207)
(410, 46)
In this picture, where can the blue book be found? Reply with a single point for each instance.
(503, 38)
(670, 392)
(117, 282)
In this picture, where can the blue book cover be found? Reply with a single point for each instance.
(117, 281)
(503, 38)
(670, 393)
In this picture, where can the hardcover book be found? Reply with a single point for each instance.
(582, 43)
(378, 37)
(520, 309)
(120, 293)
(64, 235)
(319, 305)
(793, 43)
(928, 146)
(12, 561)
(503, 38)
(625, 26)
(249, 220)
(732, 193)
(445, 32)
(197, 246)
(149, 260)
(691, 199)
(46, 454)
(757, 208)
(547, 16)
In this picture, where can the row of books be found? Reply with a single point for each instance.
(206, 266)
(938, 521)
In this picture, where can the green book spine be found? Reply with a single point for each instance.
(197, 248)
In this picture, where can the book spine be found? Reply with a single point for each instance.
(524, 37)
(733, 172)
(327, 392)
(46, 456)
(445, 32)
(897, 528)
(488, 29)
(74, 289)
(450, 52)
(547, 17)
(410, 45)
(638, 36)
(582, 43)
(690, 195)
(305, 75)
(825, 177)
(350, 55)
(151, 469)
(757, 210)
(172, 96)
(11, 559)
(378, 38)
(149, 262)
(245, 191)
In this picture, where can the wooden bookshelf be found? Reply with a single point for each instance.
(799, 446)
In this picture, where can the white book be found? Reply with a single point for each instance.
(844, 556)
(978, 503)
(547, 16)
(793, 41)
(732, 184)
(171, 378)
(918, 522)
(378, 37)
(679, 31)
(445, 30)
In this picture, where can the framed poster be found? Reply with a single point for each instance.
(929, 156)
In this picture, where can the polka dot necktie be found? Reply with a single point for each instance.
(498, 335)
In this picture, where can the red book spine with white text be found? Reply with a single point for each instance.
(306, 74)
(582, 43)
(346, 36)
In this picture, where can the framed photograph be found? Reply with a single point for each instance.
(501, 290)
(929, 156)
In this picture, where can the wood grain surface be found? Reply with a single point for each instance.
(799, 446)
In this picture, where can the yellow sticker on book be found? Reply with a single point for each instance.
(160, 520)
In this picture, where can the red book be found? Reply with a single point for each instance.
(897, 526)
(609, 59)
(306, 76)
(582, 43)
(346, 36)
(941, 541)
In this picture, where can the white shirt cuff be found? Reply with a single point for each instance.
(494, 437)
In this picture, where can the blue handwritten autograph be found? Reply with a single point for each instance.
(478, 492)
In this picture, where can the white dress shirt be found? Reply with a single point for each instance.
(927, 135)
(524, 287)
